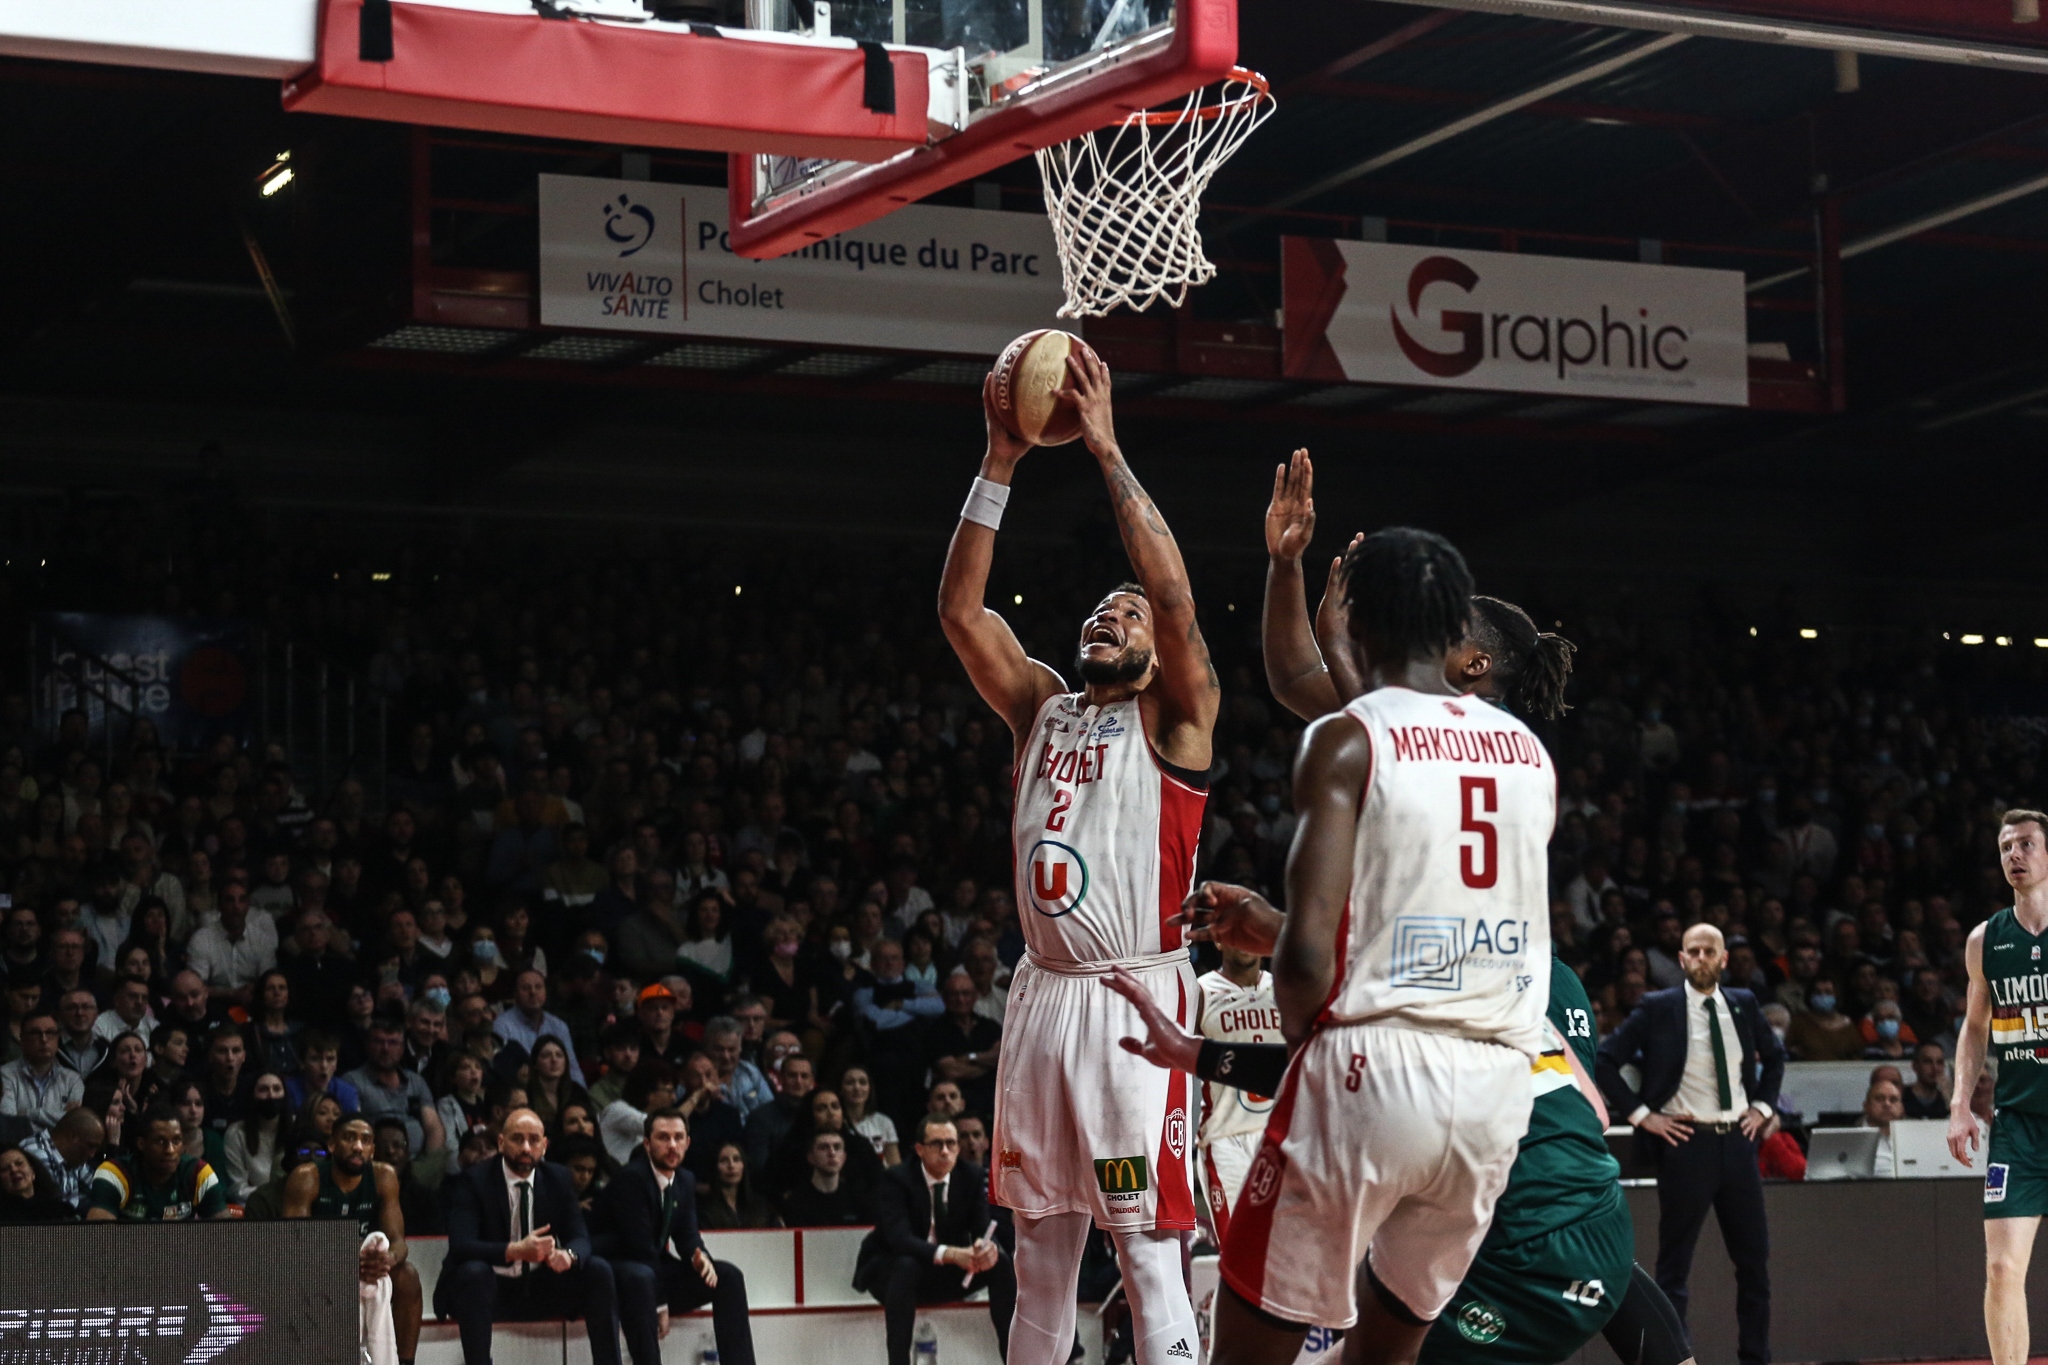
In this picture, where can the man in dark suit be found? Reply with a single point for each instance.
(646, 1222)
(930, 1243)
(1711, 1068)
(518, 1250)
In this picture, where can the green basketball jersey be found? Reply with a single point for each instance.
(1564, 1173)
(120, 1187)
(359, 1203)
(2018, 979)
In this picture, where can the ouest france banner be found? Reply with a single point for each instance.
(641, 256)
(1381, 313)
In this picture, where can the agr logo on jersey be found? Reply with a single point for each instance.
(1056, 878)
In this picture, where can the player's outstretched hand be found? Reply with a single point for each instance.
(1003, 447)
(1962, 1135)
(1166, 1043)
(1291, 515)
(1087, 388)
(1230, 916)
(1330, 614)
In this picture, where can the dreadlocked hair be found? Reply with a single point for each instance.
(1533, 665)
(1408, 594)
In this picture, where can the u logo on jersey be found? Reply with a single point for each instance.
(1056, 878)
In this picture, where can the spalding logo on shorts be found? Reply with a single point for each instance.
(1056, 878)
(1177, 1132)
(1264, 1181)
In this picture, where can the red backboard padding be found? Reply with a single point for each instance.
(591, 82)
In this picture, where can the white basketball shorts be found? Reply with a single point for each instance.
(1384, 1138)
(1081, 1125)
(1221, 1167)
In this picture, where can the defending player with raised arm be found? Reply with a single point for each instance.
(1314, 668)
(2006, 978)
(1109, 801)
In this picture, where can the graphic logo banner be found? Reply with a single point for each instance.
(189, 676)
(641, 256)
(1374, 312)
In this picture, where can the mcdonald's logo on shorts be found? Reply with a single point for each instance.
(1123, 1174)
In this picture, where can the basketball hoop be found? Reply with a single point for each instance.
(1125, 200)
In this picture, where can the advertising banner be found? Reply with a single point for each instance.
(1373, 312)
(638, 256)
(180, 1294)
(189, 676)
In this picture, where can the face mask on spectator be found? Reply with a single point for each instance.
(1780, 1033)
(785, 948)
(841, 949)
(1873, 831)
(438, 997)
(484, 951)
(1820, 796)
(1824, 1004)
(595, 955)
(1888, 1029)
(1270, 803)
(268, 1109)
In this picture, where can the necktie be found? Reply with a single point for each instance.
(525, 1218)
(668, 1216)
(1721, 1090)
(938, 1208)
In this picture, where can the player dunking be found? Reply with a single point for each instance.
(2007, 976)
(1412, 975)
(1108, 811)
(1236, 1007)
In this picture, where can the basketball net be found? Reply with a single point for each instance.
(1125, 200)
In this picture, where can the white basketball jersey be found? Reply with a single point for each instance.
(1448, 928)
(1236, 1014)
(1104, 836)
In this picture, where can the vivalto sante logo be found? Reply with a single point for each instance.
(1613, 342)
(629, 224)
(127, 1335)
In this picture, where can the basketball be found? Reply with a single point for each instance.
(1029, 375)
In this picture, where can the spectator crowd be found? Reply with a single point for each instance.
(646, 836)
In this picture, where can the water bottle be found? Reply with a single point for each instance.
(924, 1346)
(709, 1355)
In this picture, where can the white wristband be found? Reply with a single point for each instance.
(985, 504)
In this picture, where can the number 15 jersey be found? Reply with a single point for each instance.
(1104, 836)
(1448, 926)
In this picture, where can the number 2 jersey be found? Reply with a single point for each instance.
(1448, 925)
(1104, 836)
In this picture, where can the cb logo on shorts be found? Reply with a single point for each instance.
(1264, 1181)
(1055, 878)
(1177, 1132)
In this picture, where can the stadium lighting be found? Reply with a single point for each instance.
(1973, 639)
(1018, 600)
(2005, 639)
(1808, 633)
(277, 182)
(1752, 632)
(736, 589)
(2041, 642)
(380, 578)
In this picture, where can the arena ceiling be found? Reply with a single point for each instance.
(139, 330)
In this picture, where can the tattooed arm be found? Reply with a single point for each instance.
(1185, 695)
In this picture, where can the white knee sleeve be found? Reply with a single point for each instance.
(1048, 1266)
(1162, 1318)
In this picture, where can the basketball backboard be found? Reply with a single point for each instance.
(1022, 74)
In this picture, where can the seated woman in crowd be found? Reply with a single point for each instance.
(27, 1194)
(856, 1094)
(314, 1128)
(124, 1074)
(732, 1201)
(706, 954)
(206, 1143)
(549, 1086)
(791, 1159)
(250, 1155)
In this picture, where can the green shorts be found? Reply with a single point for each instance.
(2016, 1166)
(1537, 1303)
